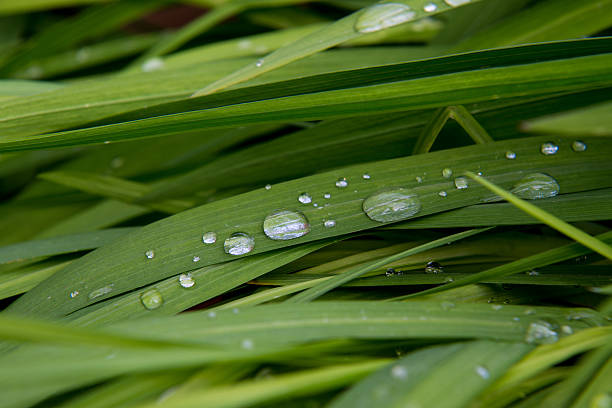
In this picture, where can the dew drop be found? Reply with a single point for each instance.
(186, 280)
(392, 205)
(443, 194)
(496, 307)
(341, 182)
(532, 272)
(536, 186)
(212, 314)
(327, 196)
(284, 225)
(482, 372)
(549, 148)
(541, 332)
(305, 198)
(399, 372)
(461, 183)
(247, 344)
(151, 299)
(239, 243)
(418, 179)
(150, 254)
(329, 224)
(456, 3)
(381, 16)
(259, 62)
(152, 64)
(196, 259)
(268, 186)
(366, 176)
(579, 146)
(74, 294)
(433, 267)
(209, 237)
(510, 155)
(430, 7)
(100, 291)
(567, 329)
(447, 173)
(117, 162)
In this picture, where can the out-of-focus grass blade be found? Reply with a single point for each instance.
(278, 388)
(11, 7)
(10, 88)
(590, 121)
(60, 245)
(416, 379)
(338, 280)
(374, 18)
(121, 263)
(21, 280)
(597, 393)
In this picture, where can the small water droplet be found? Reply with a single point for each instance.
(186, 280)
(100, 291)
(74, 294)
(268, 186)
(392, 205)
(461, 183)
(541, 332)
(329, 224)
(399, 372)
(209, 237)
(327, 196)
(532, 272)
(196, 259)
(393, 272)
(212, 314)
(456, 3)
(381, 16)
(430, 7)
(449, 279)
(366, 176)
(247, 344)
(433, 267)
(579, 146)
(530, 312)
(341, 182)
(510, 155)
(117, 162)
(239, 243)
(549, 148)
(567, 329)
(418, 179)
(150, 254)
(536, 186)
(305, 198)
(482, 372)
(443, 194)
(259, 62)
(235, 310)
(516, 319)
(284, 225)
(152, 64)
(496, 307)
(151, 299)
(447, 173)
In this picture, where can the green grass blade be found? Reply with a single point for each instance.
(598, 391)
(22, 280)
(590, 121)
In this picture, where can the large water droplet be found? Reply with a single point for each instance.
(549, 148)
(447, 173)
(433, 267)
(305, 198)
(186, 280)
(100, 291)
(209, 237)
(341, 183)
(456, 3)
(392, 205)
(461, 183)
(239, 243)
(482, 372)
(150, 254)
(536, 186)
(151, 299)
(541, 332)
(381, 16)
(579, 146)
(283, 225)
(430, 7)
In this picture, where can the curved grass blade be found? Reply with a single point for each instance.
(416, 379)
(598, 391)
(590, 121)
(338, 280)
(371, 19)
(122, 263)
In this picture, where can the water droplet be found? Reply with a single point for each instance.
(235, 310)
(238, 243)
(482, 372)
(549, 148)
(341, 182)
(447, 173)
(315, 205)
(433, 267)
(447, 305)
(532, 272)
(329, 224)
(449, 279)
(151, 299)
(443, 194)
(461, 183)
(209, 237)
(212, 314)
(496, 307)
(456, 3)
(381, 16)
(392, 205)
(284, 225)
(510, 155)
(247, 344)
(186, 280)
(327, 196)
(74, 294)
(536, 186)
(399, 372)
(366, 176)
(541, 332)
(259, 62)
(196, 259)
(268, 186)
(100, 291)
(430, 7)
(150, 254)
(152, 64)
(530, 312)
(117, 162)
(567, 329)
(579, 146)
(305, 198)
(418, 179)
(393, 272)
(516, 319)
